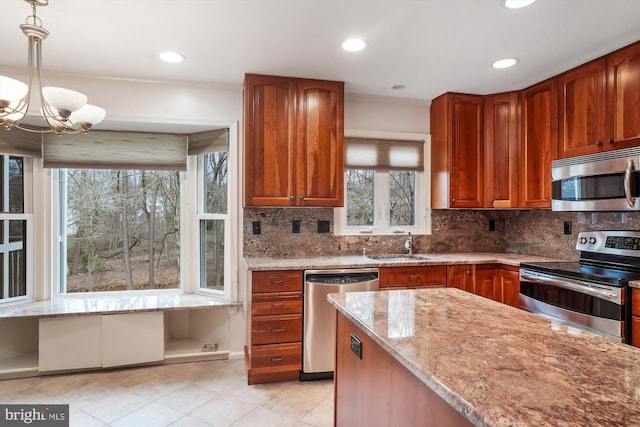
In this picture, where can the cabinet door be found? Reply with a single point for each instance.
(320, 143)
(457, 146)
(70, 343)
(485, 285)
(582, 110)
(129, 339)
(539, 143)
(501, 157)
(460, 276)
(269, 140)
(510, 285)
(623, 96)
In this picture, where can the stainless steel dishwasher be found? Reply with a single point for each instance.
(319, 333)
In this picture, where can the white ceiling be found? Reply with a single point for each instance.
(430, 46)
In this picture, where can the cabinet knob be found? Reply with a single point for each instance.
(598, 143)
(609, 141)
(491, 201)
(301, 197)
(453, 200)
(468, 272)
(291, 198)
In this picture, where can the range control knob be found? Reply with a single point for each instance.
(583, 240)
(592, 240)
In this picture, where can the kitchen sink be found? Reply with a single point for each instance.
(398, 257)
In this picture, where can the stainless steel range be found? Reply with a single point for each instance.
(591, 294)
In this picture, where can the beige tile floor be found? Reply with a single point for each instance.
(213, 393)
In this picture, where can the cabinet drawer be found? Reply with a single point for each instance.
(276, 303)
(276, 357)
(276, 281)
(413, 276)
(276, 329)
(635, 301)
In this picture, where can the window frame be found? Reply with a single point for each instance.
(28, 217)
(381, 193)
(189, 278)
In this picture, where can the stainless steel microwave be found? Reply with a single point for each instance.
(607, 181)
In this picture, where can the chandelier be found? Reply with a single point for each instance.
(63, 110)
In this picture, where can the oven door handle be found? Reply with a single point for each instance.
(628, 183)
(585, 289)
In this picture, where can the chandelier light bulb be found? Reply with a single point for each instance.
(11, 91)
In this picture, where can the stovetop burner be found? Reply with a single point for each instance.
(606, 257)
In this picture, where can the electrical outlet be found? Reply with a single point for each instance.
(356, 346)
(255, 226)
(324, 226)
(295, 226)
(492, 225)
(567, 227)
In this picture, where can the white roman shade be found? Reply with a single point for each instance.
(116, 150)
(20, 143)
(384, 154)
(208, 142)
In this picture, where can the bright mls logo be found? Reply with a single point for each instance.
(34, 415)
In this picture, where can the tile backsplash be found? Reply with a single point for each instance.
(534, 232)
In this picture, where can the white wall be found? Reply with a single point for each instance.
(138, 101)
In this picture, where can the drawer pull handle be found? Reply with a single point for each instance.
(414, 276)
(277, 304)
(277, 282)
(277, 329)
(277, 359)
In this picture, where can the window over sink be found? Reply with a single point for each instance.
(386, 184)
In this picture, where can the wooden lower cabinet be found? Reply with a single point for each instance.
(461, 276)
(498, 282)
(635, 319)
(418, 277)
(274, 350)
(376, 390)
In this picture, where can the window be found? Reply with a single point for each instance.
(386, 189)
(120, 230)
(15, 230)
(126, 229)
(213, 219)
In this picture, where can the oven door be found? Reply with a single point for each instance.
(597, 308)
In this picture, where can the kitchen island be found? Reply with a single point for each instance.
(447, 357)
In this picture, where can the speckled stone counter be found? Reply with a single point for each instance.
(500, 366)
(257, 264)
(83, 306)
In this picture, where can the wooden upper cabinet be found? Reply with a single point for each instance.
(320, 142)
(623, 96)
(538, 143)
(501, 158)
(582, 110)
(293, 141)
(457, 141)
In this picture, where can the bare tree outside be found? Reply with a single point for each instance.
(122, 230)
(360, 203)
(212, 230)
(402, 198)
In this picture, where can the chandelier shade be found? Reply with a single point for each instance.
(61, 110)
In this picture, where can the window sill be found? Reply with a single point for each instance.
(114, 304)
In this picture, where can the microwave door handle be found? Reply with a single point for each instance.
(628, 191)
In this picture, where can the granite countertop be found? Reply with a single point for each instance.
(500, 366)
(82, 306)
(635, 284)
(359, 261)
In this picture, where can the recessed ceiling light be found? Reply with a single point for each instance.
(171, 57)
(516, 4)
(505, 63)
(353, 45)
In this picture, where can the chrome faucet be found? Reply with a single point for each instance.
(408, 244)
